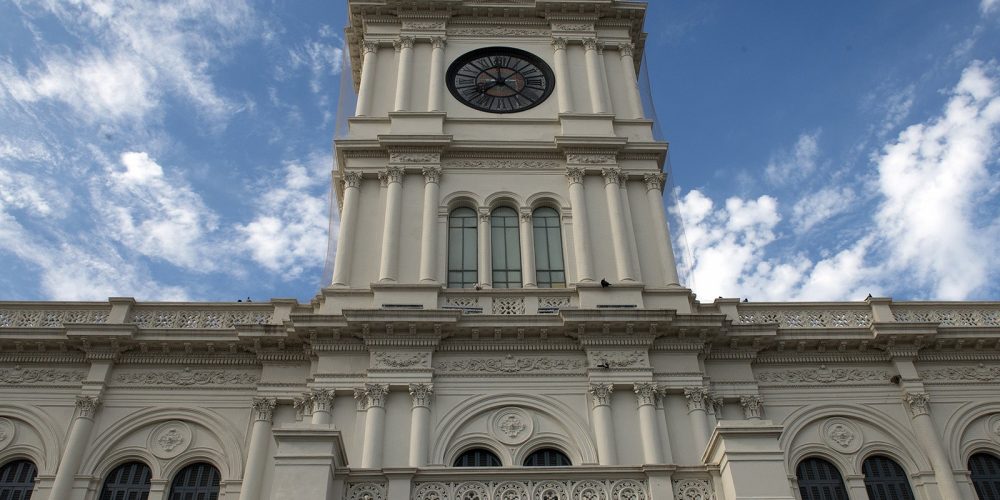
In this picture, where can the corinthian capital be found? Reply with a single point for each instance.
(369, 46)
(406, 42)
(352, 179)
(611, 175)
(601, 394)
(654, 181)
(695, 398)
(394, 174)
(575, 175)
(376, 394)
(559, 43)
(438, 42)
(263, 408)
(87, 405)
(421, 394)
(645, 393)
(432, 175)
(590, 43)
(917, 402)
(626, 49)
(322, 400)
(752, 405)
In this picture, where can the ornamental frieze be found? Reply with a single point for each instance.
(822, 375)
(187, 377)
(510, 364)
(497, 31)
(18, 375)
(619, 359)
(501, 163)
(962, 373)
(401, 360)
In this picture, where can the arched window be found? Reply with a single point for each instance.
(820, 480)
(506, 240)
(477, 457)
(550, 272)
(885, 479)
(985, 475)
(128, 481)
(198, 481)
(463, 249)
(17, 480)
(547, 457)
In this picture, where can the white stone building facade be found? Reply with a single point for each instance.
(466, 348)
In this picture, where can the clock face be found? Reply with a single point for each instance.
(500, 80)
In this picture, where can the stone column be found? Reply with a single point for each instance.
(76, 445)
(645, 395)
(753, 406)
(919, 405)
(260, 441)
(435, 92)
(628, 71)
(322, 403)
(619, 235)
(428, 233)
(404, 72)
(665, 251)
(564, 91)
(699, 420)
(595, 80)
(581, 227)
(371, 453)
(361, 410)
(527, 249)
(604, 430)
(633, 249)
(485, 251)
(661, 423)
(389, 264)
(420, 423)
(364, 105)
(348, 222)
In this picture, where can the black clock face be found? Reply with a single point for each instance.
(500, 80)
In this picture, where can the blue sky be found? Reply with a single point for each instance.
(181, 150)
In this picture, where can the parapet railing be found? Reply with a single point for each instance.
(148, 316)
(828, 315)
(508, 301)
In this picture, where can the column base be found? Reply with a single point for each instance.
(305, 461)
(750, 461)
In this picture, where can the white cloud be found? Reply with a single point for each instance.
(20, 191)
(819, 206)
(322, 59)
(24, 150)
(934, 178)
(289, 233)
(987, 6)
(788, 166)
(155, 215)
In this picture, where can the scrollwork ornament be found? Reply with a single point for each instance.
(695, 398)
(87, 406)
(600, 393)
(645, 393)
(7, 432)
(170, 439)
(693, 489)
(263, 408)
(917, 402)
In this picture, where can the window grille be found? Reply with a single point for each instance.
(547, 457)
(985, 475)
(550, 270)
(463, 250)
(820, 480)
(885, 479)
(477, 457)
(128, 481)
(17, 480)
(199, 481)
(505, 238)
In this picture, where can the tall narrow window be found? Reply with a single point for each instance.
(885, 479)
(985, 475)
(820, 480)
(127, 482)
(506, 240)
(550, 272)
(462, 248)
(17, 480)
(198, 481)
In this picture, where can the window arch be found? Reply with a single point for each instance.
(550, 271)
(463, 248)
(505, 238)
(547, 457)
(477, 457)
(885, 479)
(128, 481)
(985, 469)
(198, 481)
(820, 480)
(17, 480)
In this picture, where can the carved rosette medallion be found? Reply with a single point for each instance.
(992, 428)
(842, 435)
(512, 426)
(7, 431)
(693, 489)
(170, 439)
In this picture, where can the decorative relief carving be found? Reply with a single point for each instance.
(423, 25)
(508, 305)
(842, 435)
(7, 432)
(170, 439)
(512, 425)
(792, 318)
(414, 157)
(398, 360)
(500, 163)
(365, 491)
(18, 375)
(695, 398)
(559, 43)
(510, 364)
(432, 175)
(654, 181)
(628, 489)
(645, 393)
(28, 318)
(823, 375)
(575, 175)
(619, 359)
(197, 318)
(611, 175)
(263, 408)
(588, 489)
(352, 179)
(591, 159)
(601, 393)
(962, 373)
(491, 31)
(626, 49)
(693, 489)
(752, 405)
(917, 402)
(370, 46)
(87, 406)
(947, 316)
(421, 394)
(187, 377)
(992, 428)
(572, 27)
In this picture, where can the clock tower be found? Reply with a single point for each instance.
(500, 160)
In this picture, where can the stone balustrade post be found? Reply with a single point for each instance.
(698, 417)
(260, 441)
(371, 453)
(604, 430)
(420, 423)
(645, 395)
(76, 445)
(918, 404)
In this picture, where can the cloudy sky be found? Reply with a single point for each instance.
(181, 150)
